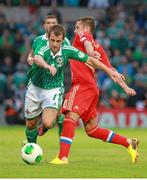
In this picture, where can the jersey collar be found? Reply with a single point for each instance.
(59, 53)
(44, 37)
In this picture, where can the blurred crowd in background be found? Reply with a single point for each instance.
(122, 33)
(72, 3)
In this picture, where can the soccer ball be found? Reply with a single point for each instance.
(31, 153)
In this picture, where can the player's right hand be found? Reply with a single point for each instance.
(129, 91)
(52, 69)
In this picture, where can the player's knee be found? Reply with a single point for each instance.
(73, 116)
(91, 133)
(90, 128)
(31, 124)
(48, 124)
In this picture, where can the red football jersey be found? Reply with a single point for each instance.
(81, 72)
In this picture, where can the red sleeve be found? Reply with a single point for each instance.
(105, 59)
(84, 36)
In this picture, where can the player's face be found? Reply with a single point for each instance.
(79, 27)
(50, 22)
(55, 42)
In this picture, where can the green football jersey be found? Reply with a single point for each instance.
(66, 42)
(43, 41)
(42, 78)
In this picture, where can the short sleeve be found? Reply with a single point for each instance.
(66, 42)
(84, 36)
(34, 44)
(40, 51)
(73, 53)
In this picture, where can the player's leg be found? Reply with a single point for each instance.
(107, 135)
(31, 130)
(42, 129)
(92, 129)
(52, 101)
(66, 138)
(75, 103)
(48, 117)
(104, 134)
(32, 111)
(60, 119)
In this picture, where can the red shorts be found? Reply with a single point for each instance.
(82, 100)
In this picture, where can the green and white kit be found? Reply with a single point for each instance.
(44, 89)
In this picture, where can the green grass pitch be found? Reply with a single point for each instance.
(89, 158)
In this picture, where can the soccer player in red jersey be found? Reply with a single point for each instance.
(81, 100)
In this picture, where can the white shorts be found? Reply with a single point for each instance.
(37, 99)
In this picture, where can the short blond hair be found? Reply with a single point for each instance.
(88, 21)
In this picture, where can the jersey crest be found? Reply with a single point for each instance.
(59, 61)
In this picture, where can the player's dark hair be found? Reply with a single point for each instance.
(50, 17)
(88, 21)
(57, 29)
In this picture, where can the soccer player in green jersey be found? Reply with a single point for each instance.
(46, 86)
(42, 40)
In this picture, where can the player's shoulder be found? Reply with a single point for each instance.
(41, 37)
(43, 49)
(68, 48)
(66, 41)
(82, 36)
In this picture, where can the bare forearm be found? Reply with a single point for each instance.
(39, 61)
(97, 64)
(90, 50)
(114, 75)
(30, 59)
(122, 84)
(88, 47)
(129, 91)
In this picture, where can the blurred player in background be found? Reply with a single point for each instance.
(81, 100)
(46, 86)
(42, 40)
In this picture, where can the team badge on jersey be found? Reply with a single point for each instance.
(59, 61)
(81, 54)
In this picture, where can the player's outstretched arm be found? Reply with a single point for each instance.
(114, 75)
(90, 51)
(121, 82)
(39, 61)
(30, 59)
(129, 91)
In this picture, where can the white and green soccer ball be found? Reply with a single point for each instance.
(31, 153)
